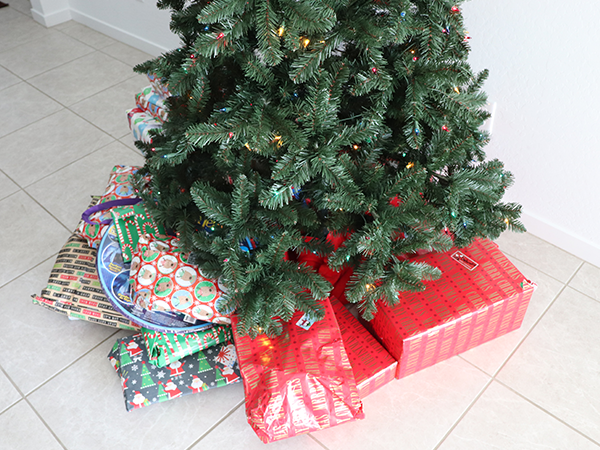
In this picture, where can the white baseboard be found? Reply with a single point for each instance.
(576, 245)
(118, 34)
(52, 19)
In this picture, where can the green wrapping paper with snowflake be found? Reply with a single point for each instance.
(144, 384)
(165, 348)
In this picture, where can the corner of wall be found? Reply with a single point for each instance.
(118, 33)
(576, 245)
(51, 19)
(50, 12)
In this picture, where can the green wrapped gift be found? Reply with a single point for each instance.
(132, 222)
(165, 348)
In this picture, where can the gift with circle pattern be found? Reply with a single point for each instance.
(163, 280)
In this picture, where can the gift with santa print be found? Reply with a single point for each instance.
(144, 383)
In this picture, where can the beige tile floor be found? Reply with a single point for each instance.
(63, 93)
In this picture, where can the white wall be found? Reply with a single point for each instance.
(50, 12)
(543, 58)
(138, 23)
(544, 66)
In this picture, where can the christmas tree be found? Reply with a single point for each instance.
(203, 364)
(162, 395)
(125, 358)
(147, 380)
(296, 123)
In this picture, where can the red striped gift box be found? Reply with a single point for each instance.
(480, 296)
(372, 365)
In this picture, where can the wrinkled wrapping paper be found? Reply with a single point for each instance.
(298, 382)
(140, 124)
(159, 85)
(372, 365)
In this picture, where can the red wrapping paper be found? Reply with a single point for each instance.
(298, 382)
(480, 296)
(372, 365)
(339, 287)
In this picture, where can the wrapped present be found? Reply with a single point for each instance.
(298, 382)
(119, 188)
(144, 383)
(163, 280)
(341, 281)
(372, 365)
(481, 295)
(165, 348)
(74, 290)
(114, 276)
(150, 101)
(131, 223)
(159, 85)
(140, 123)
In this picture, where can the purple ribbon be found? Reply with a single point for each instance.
(107, 205)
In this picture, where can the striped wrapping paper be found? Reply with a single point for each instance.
(480, 296)
(298, 382)
(372, 365)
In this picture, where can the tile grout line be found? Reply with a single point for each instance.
(497, 371)
(45, 423)
(540, 270)
(76, 360)
(67, 107)
(464, 413)
(548, 412)
(318, 442)
(70, 164)
(26, 400)
(24, 189)
(43, 37)
(584, 294)
(556, 247)
(518, 344)
(83, 42)
(3, 371)
(215, 425)
(558, 294)
(133, 74)
(47, 211)
(53, 255)
(565, 286)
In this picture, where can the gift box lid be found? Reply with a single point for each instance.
(472, 278)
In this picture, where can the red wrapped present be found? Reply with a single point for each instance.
(298, 382)
(372, 365)
(481, 295)
(339, 286)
